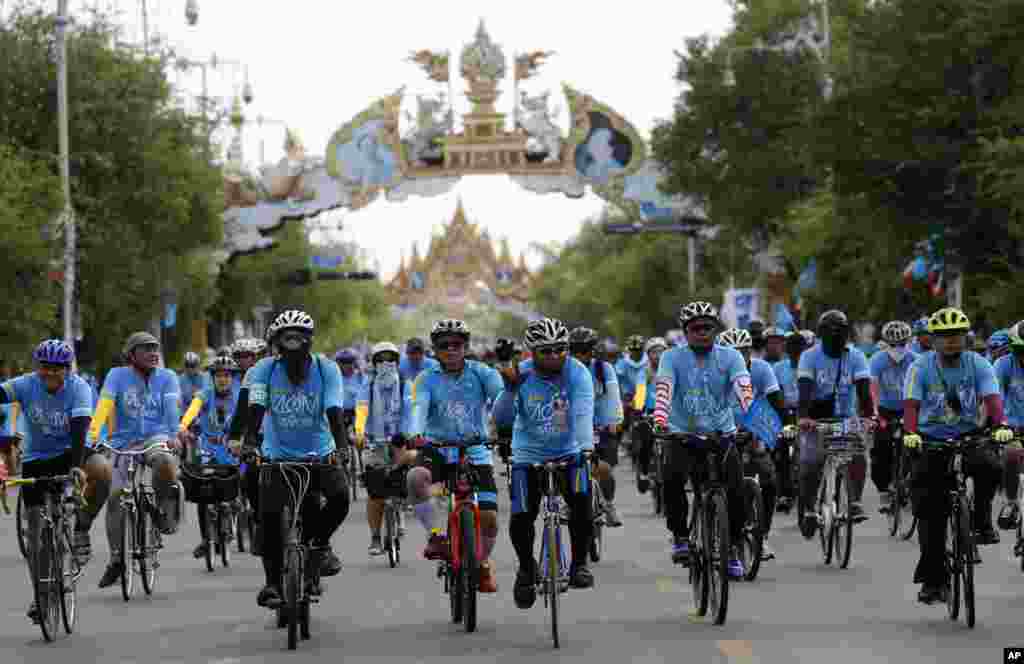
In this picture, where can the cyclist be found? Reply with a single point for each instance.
(631, 371)
(998, 345)
(10, 439)
(451, 402)
(143, 399)
(607, 415)
(353, 380)
(506, 355)
(764, 420)
(214, 407)
(300, 396)
(642, 440)
(834, 380)
(57, 406)
(888, 374)
(245, 353)
(774, 345)
(257, 349)
(609, 351)
(550, 400)
(694, 392)
(415, 360)
(923, 341)
(785, 372)
(383, 417)
(192, 380)
(944, 393)
(1009, 370)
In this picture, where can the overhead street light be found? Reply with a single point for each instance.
(192, 12)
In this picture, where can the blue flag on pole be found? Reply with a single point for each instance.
(760, 420)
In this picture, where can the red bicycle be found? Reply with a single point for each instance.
(461, 571)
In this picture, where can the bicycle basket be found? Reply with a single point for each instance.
(204, 484)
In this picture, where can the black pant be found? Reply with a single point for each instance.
(522, 525)
(32, 495)
(608, 448)
(930, 485)
(318, 524)
(643, 442)
(784, 457)
(682, 463)
(760, 464)
(883, 451)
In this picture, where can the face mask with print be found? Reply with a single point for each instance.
(387, 373)
(897, 354)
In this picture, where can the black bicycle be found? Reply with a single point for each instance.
(300, 573)
(709, 528)
(900, 515)
(54, 568)
(218, 487)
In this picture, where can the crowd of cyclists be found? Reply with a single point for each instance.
(559, 395)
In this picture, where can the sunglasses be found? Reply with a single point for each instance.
(451, 346)
(552, 350)
(701, 329)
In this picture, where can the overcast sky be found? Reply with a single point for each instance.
(314, 64)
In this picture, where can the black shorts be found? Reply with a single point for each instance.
(440, 471)
(608, 448)
(58, 465)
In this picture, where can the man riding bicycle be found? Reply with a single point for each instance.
(143, 399)
(888, 375)
(550, 402)
(57, 406)
(451, 402)
(945, 390)
(695, 390)
(786, 374)
(214, 407)
(383, 418)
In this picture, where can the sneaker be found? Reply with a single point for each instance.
(488, 584)
(986, 535)
(200, 551)
(857, 514)
(680, 550)
(611, 516)
(885, 502)
(270, 597)
(525, 590)
(736, 569)
(767, 553)
(330, 563)
(784, 504)
(809, 525)
(376, 549)
(643, 483)
(437, 546)
(112, 574)
(931, 594)
(33, 613)
(1009, 516)
(82, 546)
(581, 577)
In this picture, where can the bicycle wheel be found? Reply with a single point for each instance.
(224, 527)
(453, 582)
(47, 581)
(70, 572)
(908, 521)
(843, 522)
(826, 533)
(21, 525)
(129, 533)
(717, 536)
(470, 568)
(698, 559)
(147, 543)
(753, 531)
(552, 575)
(241, 526)
(953, 564)
(390, 535)
(966, 554)
(292, 592)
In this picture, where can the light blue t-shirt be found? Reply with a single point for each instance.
(409, 371)
(785, 374)
(972, 381)
(453, 408)
(762, 378)
(394, 414)
(1010, 375)
(649, 395)
(821, 369)
(48, 416)
(351, 386)
(702, 388)
(296, 426)
(189, 385)
(607, 399)
(214, 419)
(142, 408)
(891, 379)
(630, 374)
(550, 418)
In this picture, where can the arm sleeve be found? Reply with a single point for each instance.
(237, 428)
(806, 388)
(407, 408)
(362, 412)
(79, 428)
(581, 403)
(742, 386)
(865, 399)
(256, 413)
(613, 400)
(336, 418)
(421, 405)
(103, 411)
(640, 397)
(192, 412)
(664, 383)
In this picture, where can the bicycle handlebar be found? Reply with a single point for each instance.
(562, 464)
(149, 448)
(968, 440)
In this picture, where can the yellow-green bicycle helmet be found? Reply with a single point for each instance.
(949, 319)
(1016, 334)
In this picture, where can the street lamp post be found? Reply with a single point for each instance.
(70, 230)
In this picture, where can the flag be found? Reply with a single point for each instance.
(783, 319)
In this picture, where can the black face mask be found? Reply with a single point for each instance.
(296, 362)
(833, 341)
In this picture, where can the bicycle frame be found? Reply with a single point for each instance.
(839, 449)
(551, 510)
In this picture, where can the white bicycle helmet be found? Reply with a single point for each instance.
(896, 332)
(192, 360)
(293, 319)
(655, 342)
(735, 338)
(545, 332)
(222, 363)
(384, 347)
(246, 346)
(449, 326)
(694, 310)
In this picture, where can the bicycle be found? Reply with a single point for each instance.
(55, 570)
(553, 579)
(656, 466)
(393, 505)
(218, 487)
(461, 569)
(300, 573)
(900, 515)
(709, 529)
(752, 543)
(835, 531)
(961, 549)
(140, 538)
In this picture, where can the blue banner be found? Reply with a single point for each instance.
(170, 315)
(762, 421)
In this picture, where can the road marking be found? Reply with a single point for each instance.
(666, 584)
(737, 651)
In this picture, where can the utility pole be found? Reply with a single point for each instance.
(70, 231)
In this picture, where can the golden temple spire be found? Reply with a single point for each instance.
(506, 253)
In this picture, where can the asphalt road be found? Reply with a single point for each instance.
(797, 611)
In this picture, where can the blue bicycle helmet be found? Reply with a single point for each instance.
(54, 351)
(999, 339)
(345, 356)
